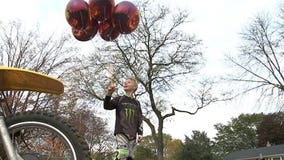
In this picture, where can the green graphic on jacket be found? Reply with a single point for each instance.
(129, 114)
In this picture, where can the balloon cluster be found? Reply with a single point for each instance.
(103, 16)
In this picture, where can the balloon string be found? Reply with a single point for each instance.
(111, 76)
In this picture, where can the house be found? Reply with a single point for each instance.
(264, 153)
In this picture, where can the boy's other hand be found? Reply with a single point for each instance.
(139, 138)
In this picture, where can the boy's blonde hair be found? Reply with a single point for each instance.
(134, 80)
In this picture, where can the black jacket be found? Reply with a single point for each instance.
(128, 115)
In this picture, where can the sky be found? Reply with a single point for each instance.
(216, 22)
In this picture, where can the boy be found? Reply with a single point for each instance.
(128, 123)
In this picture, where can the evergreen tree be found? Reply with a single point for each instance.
(198, 147)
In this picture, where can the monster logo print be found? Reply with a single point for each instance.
(129, 114)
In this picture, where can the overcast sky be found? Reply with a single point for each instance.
(216, 22)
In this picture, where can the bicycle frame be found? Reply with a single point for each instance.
(7, 143)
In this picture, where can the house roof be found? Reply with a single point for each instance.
(256, 153)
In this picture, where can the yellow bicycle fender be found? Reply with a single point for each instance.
(27, 80)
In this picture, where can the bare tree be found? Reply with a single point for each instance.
(92, 127)
(161, 57)
(27, 49)
(259, 64)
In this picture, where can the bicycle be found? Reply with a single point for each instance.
(37, 135)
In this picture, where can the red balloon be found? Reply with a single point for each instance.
(77, 13)
(101, 9)
(126, 17)
(107, 31)
(88, 33)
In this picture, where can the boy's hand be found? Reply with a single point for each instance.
(111, 88)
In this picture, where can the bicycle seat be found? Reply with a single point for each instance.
(28, 80)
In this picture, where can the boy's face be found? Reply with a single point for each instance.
(129, 85)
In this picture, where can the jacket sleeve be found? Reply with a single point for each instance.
(109, 103)
(140, 122)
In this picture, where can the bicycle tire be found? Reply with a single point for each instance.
(46, 122)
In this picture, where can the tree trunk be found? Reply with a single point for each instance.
(160, 141)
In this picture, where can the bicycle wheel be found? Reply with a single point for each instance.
(38, 136)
